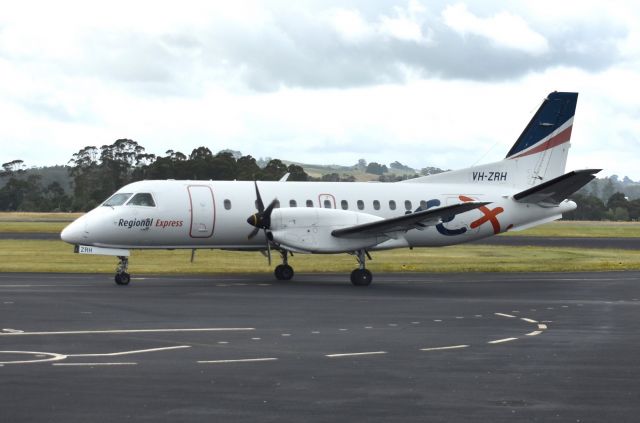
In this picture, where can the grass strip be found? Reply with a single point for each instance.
(56, 256)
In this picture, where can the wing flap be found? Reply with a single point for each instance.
(417, 220)
(556, 190)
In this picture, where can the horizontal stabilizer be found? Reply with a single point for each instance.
(556, 190)
(404, 223)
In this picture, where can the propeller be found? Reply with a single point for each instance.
(262, 219)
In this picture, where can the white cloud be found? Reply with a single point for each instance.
(503, 29)
(314, 83)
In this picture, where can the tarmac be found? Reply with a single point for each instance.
(410, 347)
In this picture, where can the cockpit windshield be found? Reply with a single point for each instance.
(142, 199)
(117, 199)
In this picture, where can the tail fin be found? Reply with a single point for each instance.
(539, 154)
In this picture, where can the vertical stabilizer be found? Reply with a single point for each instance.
(538, 155)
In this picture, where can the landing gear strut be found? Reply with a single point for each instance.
(361, 276)
(122, 277)
(284, 272)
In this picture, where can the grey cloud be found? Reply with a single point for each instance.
(302, 51)
(298, 48)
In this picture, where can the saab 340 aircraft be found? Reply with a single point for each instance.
(528, 188)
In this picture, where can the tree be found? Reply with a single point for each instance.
(617, 200)
(297, 173)
(274, 170)
(430, 170)
(376, 168)
(590, 207)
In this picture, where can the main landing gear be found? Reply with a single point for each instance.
(284, 272)
(361, 276)
(122, 277)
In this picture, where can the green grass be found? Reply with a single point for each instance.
(583, 229)
(56, 256)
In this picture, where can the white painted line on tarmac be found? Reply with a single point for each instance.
(96, 364)
(355, 354)
(534, 333)
(38, 354)
(240, 360)
(528, 320)
(130, 352)
(256, 339)
(437, 320)
(504, 315)
(500, 341)
(451, 347)
(8, 330)
(112, 331)
(415, 323)
(542, 326)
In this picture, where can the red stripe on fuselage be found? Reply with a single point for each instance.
(561, 138)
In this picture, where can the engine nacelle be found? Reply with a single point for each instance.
(309, 229)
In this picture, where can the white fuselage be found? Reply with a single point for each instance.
(213, 214)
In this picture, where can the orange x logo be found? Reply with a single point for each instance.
(490, 215)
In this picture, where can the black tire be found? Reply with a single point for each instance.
(286, 272)
(283, 272)
(122, 278)
(361, 277)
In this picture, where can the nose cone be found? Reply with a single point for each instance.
(73, 233)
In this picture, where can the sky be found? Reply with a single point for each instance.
(427, 83)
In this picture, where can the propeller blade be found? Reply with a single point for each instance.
(254, 232)
(258, 198)
(270, 207)
(268, 248)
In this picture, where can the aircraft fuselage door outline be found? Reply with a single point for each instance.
(326, 201)
(203, 212)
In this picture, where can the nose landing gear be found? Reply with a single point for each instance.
(284, 272)
(122, 277)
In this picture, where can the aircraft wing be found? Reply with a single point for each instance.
(556, 190)
(417, 220)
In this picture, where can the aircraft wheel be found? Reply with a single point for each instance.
(122, 278)
(361, 277)
(283, 272)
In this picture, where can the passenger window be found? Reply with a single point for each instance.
(117, 199)
(142, 199)
(376, 205)
(309, 203)
(407, 205)
(423, 204)
(360, 204)
(392, 204)
(227, 204)
(344, 204)
(292, 203)
(327, 204)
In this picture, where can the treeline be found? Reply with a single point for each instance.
(617, 208)
(96, 173)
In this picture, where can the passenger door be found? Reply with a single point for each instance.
(203, 213)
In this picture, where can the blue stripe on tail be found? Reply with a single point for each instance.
(556, 110)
